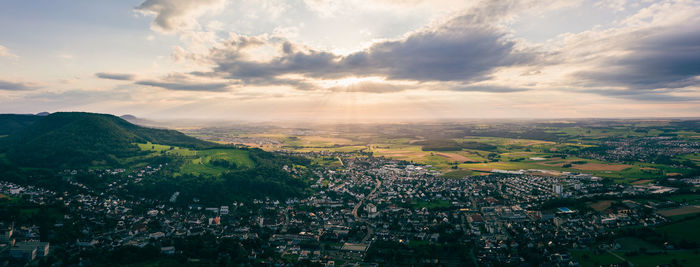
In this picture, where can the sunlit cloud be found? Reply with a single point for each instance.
(4, 52)
(344, 59)
(172, 15)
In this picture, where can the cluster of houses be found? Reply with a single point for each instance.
(20, 244)
(645, 149)
(351, 208)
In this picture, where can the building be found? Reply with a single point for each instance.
(5, 234)
(557, 189)
(29, 250)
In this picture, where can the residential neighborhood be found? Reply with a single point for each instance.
(353, 212)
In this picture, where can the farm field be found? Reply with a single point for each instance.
(483, 147)
(680, 211)
(601, 205)
(505, 154)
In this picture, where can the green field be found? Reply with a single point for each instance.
(3, 159)
(445, 151)
(681, 230)
(587, 258)
(329, 162)
(690, 199)
(170, 150)
(635, 244)
(199, 161)
(694, 157)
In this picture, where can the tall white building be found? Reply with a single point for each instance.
(557, 189)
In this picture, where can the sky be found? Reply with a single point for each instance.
(351, 60)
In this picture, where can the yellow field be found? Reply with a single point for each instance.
(601, 167)
(453, 156)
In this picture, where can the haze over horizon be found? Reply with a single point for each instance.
(352, 61)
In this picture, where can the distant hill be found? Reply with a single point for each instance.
(10, 123)
(75, 139)
(136, 120)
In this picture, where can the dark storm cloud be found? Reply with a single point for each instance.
(115, 76)
(656, 58)
(16, 86)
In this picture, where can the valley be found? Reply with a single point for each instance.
(389, 194)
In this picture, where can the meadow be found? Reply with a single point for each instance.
(203, 161)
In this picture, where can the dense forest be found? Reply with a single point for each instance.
(9, 123)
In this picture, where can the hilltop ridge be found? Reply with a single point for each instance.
(77, 139)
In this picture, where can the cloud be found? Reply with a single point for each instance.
(80, 96)
(4, 52)
(466, 48)
(488, 89)
(665, 57)
(657, 47)
(181, 82)
(644, 95)
(370, 87)
(115, 76)
(172, 15)
(212, 87)
(475, 51)
(16, 86)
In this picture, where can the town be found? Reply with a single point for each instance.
(357, 214)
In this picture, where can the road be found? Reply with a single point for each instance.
(370, 231)
(341, 161)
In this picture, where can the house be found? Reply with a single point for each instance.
(29, 250)
(168, 250)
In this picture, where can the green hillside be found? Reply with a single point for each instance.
(10, 123)
(74, 139)
(196, 168)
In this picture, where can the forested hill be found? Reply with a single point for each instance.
(76, 139)
(10, 123)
